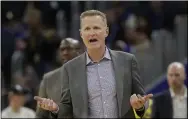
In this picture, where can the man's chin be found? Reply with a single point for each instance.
(93, 47)
(64, 61)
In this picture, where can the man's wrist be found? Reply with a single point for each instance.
(55, 112)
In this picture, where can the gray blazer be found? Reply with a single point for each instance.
(74, 100)
(50, 87)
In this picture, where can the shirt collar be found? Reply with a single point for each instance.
(173, 94)
(106, 55)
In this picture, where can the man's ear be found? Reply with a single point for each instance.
(80, 33)
(107, 31)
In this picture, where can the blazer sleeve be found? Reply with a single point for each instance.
(137, 87)
(65, 106)
(41, 113)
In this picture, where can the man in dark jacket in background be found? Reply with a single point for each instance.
(50, 86)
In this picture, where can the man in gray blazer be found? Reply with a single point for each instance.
(50, 86)
(100, 83)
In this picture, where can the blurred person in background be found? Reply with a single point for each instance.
(32, 82)
(68, 49)
(41, 43)
(22, 72)
(16, 101)
(136, 40)
(18, 58)
(135, 34)
(35, 40)
(10, 28)
(50, 86)
(116, 14)
(173, 102)
(4, 94)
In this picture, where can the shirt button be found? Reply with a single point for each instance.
(106, 116)
(100, 77)
(98, 64)
(104, 102)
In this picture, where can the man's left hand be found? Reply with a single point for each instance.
(138, 101)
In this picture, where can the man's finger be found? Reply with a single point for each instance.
(148, 96)
(39, 103)
(136, 101)
(48, 102)
(37, 98)
(51, 104)
(134, 97)
(45, 103)
(141, 99)
(139, 96)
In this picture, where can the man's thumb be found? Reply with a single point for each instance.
(148, 96)
(37, 98)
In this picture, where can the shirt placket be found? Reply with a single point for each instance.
(103, 90)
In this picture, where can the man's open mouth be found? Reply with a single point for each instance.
(93, 40)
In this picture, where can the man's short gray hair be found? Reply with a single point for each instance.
(94, 13)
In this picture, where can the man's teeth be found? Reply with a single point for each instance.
(93, 40)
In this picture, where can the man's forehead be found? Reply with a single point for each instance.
(92, 20)
(64, 47)
(175, 69)
(91, 17)
(64, 44)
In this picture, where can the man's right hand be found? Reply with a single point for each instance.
(46, 104)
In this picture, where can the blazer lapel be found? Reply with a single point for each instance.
(119, 75)
(82, 84)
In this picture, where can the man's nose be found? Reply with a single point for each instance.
(173, 78)
(92, 35)
(65, 51)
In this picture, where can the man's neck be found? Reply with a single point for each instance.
(179, 91)
(96, 54)
(15, 109)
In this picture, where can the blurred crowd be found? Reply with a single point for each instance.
(31, 33)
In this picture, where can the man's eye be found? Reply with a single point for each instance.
(86, 29)
(96, 28)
